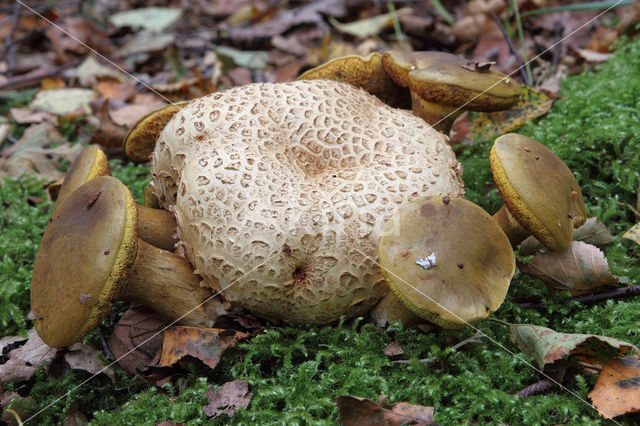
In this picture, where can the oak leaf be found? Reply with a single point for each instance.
(355, 411)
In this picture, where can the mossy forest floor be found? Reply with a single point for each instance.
(294, 374)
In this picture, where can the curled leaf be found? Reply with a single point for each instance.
(617, 390)
(591, 232)
(547, 346)
(579, 269)
(361, 411)
(531, 105)
(206, 344)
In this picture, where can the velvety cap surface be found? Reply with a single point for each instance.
(447, 260)
(538, 189)
(84, 255)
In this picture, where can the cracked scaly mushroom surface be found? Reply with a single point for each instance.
(291, 185)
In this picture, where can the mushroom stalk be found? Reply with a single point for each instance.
(511, 227)
(166, 282)
(157, 227)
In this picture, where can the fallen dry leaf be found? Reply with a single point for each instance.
(579, 269)
(546, 346)
(129, 115)
(229, 399)
(24, 361)
(591, 232)
(206, 344)
(85, 357)
(88, 72)
(394, 349)
(108, 134)
(136, 340)
(617, 390)
(115, 90)
(39, 152)
(8, 341)
(369, 26)
(356, 411)
(27, 115)
(633, 233)
(64, 101)
(531, 105)
(17, 403)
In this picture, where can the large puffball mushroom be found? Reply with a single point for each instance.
(91, 256)
(444, 85)
(447, 260)
(541, 196)
(280, 192)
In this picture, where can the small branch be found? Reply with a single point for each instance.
(591, 299)
(9, 51)
(29, 80)
(105, 347)
(543, 386)
(512, 48)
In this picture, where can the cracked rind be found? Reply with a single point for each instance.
(536, 187)
(291, 184)
(474, 260)
(83, 260)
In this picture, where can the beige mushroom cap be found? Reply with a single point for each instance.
(538, 189)
(281, 190)
(447, 260)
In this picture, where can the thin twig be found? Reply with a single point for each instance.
(9, 51)
(29, 80)
(433, 360)
(543, 386)
(105, 347)
(512, 48)
(590, 299)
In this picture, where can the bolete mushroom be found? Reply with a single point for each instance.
(541, 196)
(155, 226)
(447, 260)
(280, 192)
(444, 85)
(91, 256)
(366, 72)
(141, 139)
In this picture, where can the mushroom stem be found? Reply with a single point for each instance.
(166, 282)
(441, 117)
(511, 227)
(157, 227)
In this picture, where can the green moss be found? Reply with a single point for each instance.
(296, 373)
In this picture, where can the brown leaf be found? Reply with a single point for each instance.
(85, 357)
(579, 269)
(129, 115)
(115, 90)
(23, 362)
(591, 232)
(108, 134)
(231, 397)
(83, 30)
(206, 344)
(9, 341)
(358, 411)
(27, 115)
(531, 105)
(135, 342)
(547, 346)
(394, 349)
(39, 152)
(7, 400)
(617, 390)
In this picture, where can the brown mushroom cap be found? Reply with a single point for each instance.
(84, 256)
(538, 189)
(281, 190)
(473, 259)
(141, 139)
(447, 79)
(366, 72)
(91, 163)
